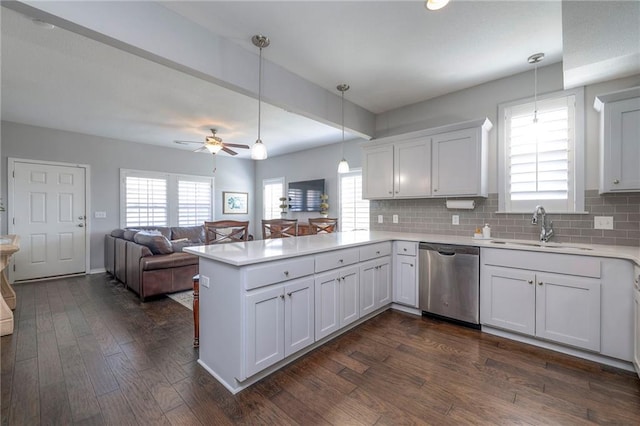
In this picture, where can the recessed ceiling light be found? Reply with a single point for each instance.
(43, 24)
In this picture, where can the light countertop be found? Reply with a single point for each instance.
(241, 254)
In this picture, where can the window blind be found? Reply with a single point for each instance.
(146, 201)
(194, 202)
(272, 190)
(354, 211)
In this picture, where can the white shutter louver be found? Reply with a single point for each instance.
(146, 201)
(354, 211)
(194, 202)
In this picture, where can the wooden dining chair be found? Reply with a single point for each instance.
(323, 225)
(226, 231)
(279, 228)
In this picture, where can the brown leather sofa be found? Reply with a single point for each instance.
(150, 260)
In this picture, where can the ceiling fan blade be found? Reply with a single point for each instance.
(201, 149)
(228, 151)
(236, 145)
(185, 142)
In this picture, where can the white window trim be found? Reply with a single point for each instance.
(353, 171)
(271, 181)
(577, 158)
(172, 191)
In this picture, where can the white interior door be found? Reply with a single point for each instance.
(49, 214)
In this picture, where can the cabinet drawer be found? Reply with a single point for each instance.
(374, 250)
(569, 264)
(406, 247)
(275, 272)
(336, 259)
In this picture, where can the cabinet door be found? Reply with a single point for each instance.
(568, 310)
(264, 328)
(507, 299)
(368, 272)
(455, 167)
(382, 291)
(349, 295)
(377, 172)
(412, 175)
(405, 287)
(299, 326)
(327, 311)
(621, 149)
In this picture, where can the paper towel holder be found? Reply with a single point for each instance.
(461, 204)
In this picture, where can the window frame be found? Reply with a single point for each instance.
(172, 195)
(353, 172)
(271, 181)
(577, 157)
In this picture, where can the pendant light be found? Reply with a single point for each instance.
(259, 150)
(343, 166)
(435, 4)
(535, 59)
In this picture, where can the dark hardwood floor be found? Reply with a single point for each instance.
(85, 351)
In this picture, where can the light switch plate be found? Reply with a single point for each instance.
(380, 220)
(603, 222)
(395, 218)
(455, 219)
(100, 215)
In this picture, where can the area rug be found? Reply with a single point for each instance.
(185, 298)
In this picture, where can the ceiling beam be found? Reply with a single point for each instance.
(153, 32)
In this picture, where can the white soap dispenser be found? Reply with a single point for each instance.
(486, 231)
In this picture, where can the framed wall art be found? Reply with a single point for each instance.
(235, 203)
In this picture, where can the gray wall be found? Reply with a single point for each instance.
(317, 163)
(105, 158)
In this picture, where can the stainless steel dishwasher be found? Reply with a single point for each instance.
(450, 282)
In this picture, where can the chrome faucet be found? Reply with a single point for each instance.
(546, 230)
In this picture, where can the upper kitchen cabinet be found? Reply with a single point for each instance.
(619, 140)
(445, 161)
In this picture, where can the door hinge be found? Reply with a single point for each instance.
(13, 174)
(14, 267)
(13, 220)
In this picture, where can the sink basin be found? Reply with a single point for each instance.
(541, 245)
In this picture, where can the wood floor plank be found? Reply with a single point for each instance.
(121, 361)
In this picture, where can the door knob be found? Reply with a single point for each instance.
(616, 181)
(81, 225)
(539, 282)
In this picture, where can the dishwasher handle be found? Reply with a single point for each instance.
(446, 253)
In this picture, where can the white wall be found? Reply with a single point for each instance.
(317, 163)
(106, 157)
(482, 101)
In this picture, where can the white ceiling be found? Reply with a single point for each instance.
(392, 53)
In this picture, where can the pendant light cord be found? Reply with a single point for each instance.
(259, 93)
(342, 124)
(535, 93)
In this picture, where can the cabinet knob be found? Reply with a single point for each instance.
(405, 249)
(616, 181)
(377, 252)
(286, 273)
(530, 281)
(411, 264)
(341, 260)
(282, 296)
(390, 192)
(289, 294)
(435, 189)
(539, 282)
(397, 192)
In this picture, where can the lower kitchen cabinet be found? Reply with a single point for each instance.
(336, 300)
(556, 307)
(405, 273)
(375, 284)
(280, 322)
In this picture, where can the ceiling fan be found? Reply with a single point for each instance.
(214, 144)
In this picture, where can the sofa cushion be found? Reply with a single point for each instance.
(172, 260)
(128, 234)
(178, 245)
(195, 234)
(117, 233)
(157, 243)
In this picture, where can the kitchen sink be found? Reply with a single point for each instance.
(541, 245)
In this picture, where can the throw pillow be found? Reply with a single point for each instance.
(157, 243)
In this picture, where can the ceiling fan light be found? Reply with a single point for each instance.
(258, 151)
(213, 148)
(343, 166)
(435, 4)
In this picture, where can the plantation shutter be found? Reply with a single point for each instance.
(540, 166)
(354, 211)
(145, 201)
(272, 190)
(194, 202)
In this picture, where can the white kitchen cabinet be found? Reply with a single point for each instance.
(459, 163)
(405, 270)
(407, 165)
(375, 284)
(280, 322)
(619, 136)
(336, 300)
(397, 170)
(636, 322)
(558, 307)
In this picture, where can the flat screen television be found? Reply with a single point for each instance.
(304, 196)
